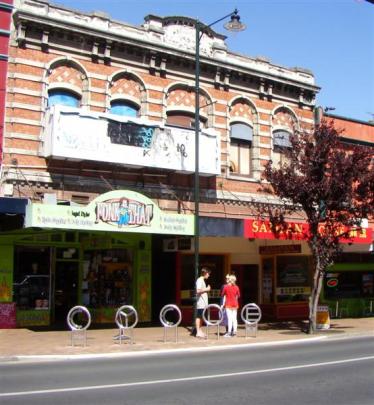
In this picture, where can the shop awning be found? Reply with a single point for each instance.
(220, 227)
(10, 205)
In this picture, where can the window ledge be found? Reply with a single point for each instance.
(242, 178)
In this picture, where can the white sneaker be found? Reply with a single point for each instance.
(201, 335)
(227, 335)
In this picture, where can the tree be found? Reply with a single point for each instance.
(332, 184)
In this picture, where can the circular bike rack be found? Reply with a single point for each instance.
(209, 320)
(251, 315)
(126, 318)
(167, 324)
(78, 330)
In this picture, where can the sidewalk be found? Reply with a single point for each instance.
(15, 344)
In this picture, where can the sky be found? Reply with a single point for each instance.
(332, 38)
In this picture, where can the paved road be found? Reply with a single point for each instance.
(339, 371)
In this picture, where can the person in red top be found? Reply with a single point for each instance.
(231, 295)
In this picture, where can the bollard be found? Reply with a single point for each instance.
(122, 320)
(251, 316)
(78, 330)
(207, 316)
(167, 324)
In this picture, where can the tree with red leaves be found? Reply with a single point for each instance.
(332, 184)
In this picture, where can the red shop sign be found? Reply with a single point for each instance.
(259, 229)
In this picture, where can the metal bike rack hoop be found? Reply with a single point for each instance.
(209, 321)
(167, 324)
(123, 314)
(122, 319)
(76, 329)
(165, 310)
(212, 322)
(75, 311)
(251, 315)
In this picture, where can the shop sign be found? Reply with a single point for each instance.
(7, 315)
(116, 211)
(332, 282)
(279, 249)
(323, 317)
(260, 229)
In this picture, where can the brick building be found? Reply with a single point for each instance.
(99, 138)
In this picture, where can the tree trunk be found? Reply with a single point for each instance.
(314, 298)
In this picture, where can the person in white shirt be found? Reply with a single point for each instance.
(202, 300)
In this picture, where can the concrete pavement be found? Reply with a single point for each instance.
(23, 344)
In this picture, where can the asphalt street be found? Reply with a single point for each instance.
(329, 371)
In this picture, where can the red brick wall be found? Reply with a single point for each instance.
(5, 19)
(354, 130)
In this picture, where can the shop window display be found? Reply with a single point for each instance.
(107, 278)
(349, 284)
(293, 281)
(31, 283)
(267, 281)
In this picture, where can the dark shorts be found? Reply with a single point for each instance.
(199, 313)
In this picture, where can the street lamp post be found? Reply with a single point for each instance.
(233, 25)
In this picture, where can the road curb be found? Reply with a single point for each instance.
(153, 352)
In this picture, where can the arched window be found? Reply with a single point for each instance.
(63, 97)
(281, 142)
(241, 136)
(124, 108)
(184, 119)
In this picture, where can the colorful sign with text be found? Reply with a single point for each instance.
(116, 211)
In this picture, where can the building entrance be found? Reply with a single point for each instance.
(65, 285)
(247, 279)
(65, 289)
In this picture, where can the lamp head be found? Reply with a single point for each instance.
(234, 24)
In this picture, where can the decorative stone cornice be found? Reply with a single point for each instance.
(173, 36)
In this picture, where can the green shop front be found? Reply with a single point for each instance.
(99, 256)
(349, 286)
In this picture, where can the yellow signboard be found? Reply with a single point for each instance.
(323, 317)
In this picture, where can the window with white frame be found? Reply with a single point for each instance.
(241, 137)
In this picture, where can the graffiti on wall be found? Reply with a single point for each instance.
(130, 133)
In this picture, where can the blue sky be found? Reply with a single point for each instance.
(332, 38)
